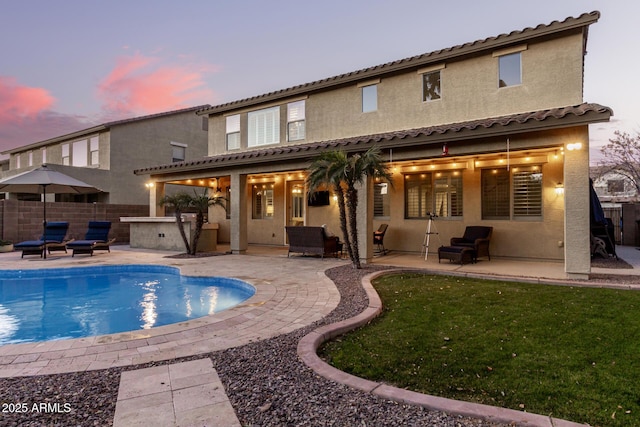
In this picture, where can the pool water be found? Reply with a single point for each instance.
(65, 303)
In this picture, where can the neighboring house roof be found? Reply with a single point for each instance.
(100, 128)
(515, 123)
(458, 52)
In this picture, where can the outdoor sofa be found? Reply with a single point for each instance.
(312, 240)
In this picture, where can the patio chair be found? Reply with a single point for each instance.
(477, 237)
(96, 239)
(56, 231)
(378, 239)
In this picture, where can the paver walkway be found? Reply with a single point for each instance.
(182, 394)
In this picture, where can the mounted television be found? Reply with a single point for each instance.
(318, 198)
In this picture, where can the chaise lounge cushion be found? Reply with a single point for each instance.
(95, 239)
(55, 232)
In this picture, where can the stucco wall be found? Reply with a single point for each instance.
(127, 146)
(551, 77)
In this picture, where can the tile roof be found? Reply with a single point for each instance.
(530, 121)
(472, 48)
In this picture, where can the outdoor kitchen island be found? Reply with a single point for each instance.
(161, 233)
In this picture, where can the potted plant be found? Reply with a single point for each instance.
(6, 246)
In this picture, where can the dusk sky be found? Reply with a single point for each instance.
(68, 65)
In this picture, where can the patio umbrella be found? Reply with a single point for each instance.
(42, 180)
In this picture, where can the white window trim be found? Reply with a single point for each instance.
(369, 83)
(430, 69)
(510, 50)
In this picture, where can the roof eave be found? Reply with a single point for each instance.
(462, 132)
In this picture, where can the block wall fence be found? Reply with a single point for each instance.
(22, 220)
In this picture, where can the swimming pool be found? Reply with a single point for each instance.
(60, 303)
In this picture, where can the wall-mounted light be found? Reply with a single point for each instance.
(149, 185)
(559, 189)
(445, 149)
(574, 146)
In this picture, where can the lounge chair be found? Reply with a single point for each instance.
(378, 239)
(96, 239)
(56, 231)
(478, 238)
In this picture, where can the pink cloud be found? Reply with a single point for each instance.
(18, 102)
(140, 84)
(25, 115)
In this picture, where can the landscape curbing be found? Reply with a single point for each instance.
(309, 344)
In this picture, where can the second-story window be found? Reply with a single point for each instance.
(18, 166)
(178, 152)
(94, 152)
(369, 98)
(264, 127)
(44, 155)
(296, 127)
(79, 153)
(431, 86)
(30, 158)
(66, 157)
(510, 70)
(233, 132)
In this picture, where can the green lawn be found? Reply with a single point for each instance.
(568, 352)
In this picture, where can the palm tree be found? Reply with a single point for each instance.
(178, 202)
(342, 173)
(328, 170)
(200, 203)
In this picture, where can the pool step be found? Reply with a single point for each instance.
(182, 394)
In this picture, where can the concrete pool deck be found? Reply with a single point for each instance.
(290, 293)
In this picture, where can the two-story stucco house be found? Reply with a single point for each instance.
(106, 155)
(493, 132)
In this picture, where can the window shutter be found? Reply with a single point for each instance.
(264, 127)
(527, 193)
(495, 194)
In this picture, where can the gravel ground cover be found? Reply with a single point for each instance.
(266, 383)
